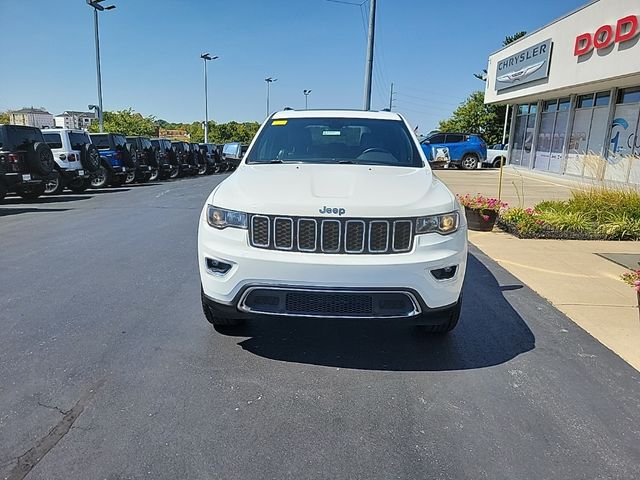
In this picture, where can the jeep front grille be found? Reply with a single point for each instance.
(331, 235)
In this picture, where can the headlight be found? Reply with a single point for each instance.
(221, 218)
(442, 224)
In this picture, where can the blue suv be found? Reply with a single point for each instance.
(464, 151)
(115, 160)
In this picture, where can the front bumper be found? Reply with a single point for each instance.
(406, 272)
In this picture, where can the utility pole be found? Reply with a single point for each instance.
(306, 98)
(369, 65)
(391, 98)
(95, 4)
(269, 81)
(206, 57)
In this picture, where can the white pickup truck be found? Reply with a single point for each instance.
(333, 214)
(496, 154)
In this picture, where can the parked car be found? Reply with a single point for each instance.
(333, 214)
(115, 160)
(496, 154)
(26, 161)
(147, 168)
(166, 157)
(199, 158)
(232, 153)
(75, 159)
(465, 151)
(183, 153)
(212, 157)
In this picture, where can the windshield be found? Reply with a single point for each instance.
(336, 140)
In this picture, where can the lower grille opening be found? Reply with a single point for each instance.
(333, 304)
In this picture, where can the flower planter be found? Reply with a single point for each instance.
(480, 220)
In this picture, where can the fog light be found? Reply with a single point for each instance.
(444, 273)
(217, 267)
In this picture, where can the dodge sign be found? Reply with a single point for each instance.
(524, 67)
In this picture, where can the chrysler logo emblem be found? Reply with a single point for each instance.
(519, 75)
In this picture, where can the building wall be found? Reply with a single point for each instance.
(582, 120)
(39, 120)
(616, 66)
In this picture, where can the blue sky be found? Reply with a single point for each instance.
(151, 48)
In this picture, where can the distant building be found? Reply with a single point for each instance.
(72, 119)
(32, 117)
(175, 135)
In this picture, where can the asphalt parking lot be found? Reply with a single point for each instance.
(108, 369)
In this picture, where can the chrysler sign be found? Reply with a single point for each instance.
(524, 67)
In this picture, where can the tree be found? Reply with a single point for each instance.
(474, 117)
(5, 117)
(127, 122)
(507, 40)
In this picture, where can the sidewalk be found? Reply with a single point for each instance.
(569, 273)
(585, 287)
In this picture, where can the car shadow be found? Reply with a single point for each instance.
(5, 212)
(107, 190)
(45, 199)
(490, 333)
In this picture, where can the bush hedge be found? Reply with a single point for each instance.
(594, 214)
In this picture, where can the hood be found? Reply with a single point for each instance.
(316, 190)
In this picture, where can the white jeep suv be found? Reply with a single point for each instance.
(333, 214)
(75, 156)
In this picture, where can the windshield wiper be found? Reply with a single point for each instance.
(347, 162)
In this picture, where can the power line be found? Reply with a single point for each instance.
(428, 101)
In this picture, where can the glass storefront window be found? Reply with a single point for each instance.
(585, 101)
(551, 106)
(629, 95)
(602, 99)
(564, 104)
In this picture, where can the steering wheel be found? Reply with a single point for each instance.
(375, 150)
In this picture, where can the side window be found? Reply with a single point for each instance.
(454, 138)
(53, 140)
(437, 138)
(78, 140)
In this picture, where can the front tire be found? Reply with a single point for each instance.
(54, 186)
(131, 177)
(155, 175)
(469, 162)
(496, 163)
(219, 323)
(100, 178)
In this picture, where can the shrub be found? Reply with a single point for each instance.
(597, 213)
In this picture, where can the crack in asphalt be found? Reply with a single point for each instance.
(28, 460)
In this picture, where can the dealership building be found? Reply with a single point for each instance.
(574, 89)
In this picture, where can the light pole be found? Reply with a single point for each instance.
(206, 57)
(306, 99)
(95, 4)
(369, 67)
(269, 81)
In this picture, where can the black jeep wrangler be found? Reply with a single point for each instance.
(213, 157)
(26, 161)
(199, 158)
(166, 156)
(185, 159)
(146, 162)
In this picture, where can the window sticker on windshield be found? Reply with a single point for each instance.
(331, 133)
(279, 122)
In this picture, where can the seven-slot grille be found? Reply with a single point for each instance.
(331, 235)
